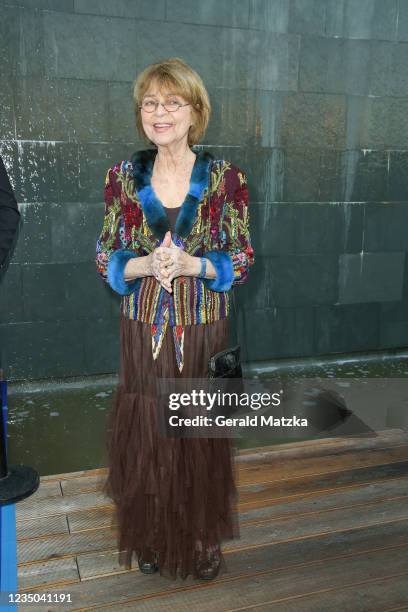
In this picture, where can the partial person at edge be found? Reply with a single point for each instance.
(10, 221)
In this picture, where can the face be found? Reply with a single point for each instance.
(166, 127)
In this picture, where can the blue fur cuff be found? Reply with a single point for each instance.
(222, 263)
(115, 272)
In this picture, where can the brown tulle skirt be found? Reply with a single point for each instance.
(173, 496)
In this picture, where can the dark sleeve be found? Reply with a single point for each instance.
(10, 220)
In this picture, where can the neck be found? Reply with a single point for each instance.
(177, 158)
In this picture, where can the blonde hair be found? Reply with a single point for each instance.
(177, 77)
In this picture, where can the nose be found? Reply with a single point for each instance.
(160, 110)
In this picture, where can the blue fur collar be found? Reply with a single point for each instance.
(155, 212)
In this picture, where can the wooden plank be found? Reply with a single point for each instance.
(46, 525)
(82, 485)
(338, 499)
(376, 595)
(53, 506)
(310, 525)
(62, 546)
(282, 469)
(268, 493)
(312, 458)
(327, 445)
(324, 559)
(96, 518)
(94, 565)
(48, 573)
(73, 475)
(46, 489)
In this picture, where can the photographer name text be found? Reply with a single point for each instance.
(244, 421)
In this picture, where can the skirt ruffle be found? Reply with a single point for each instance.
(172, 495)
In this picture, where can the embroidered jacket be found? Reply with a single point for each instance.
(213, 222)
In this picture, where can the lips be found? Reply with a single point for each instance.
(161, 127)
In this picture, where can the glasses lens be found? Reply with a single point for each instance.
(149, 106)
(172, 105)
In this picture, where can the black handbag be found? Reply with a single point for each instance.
(226, 363)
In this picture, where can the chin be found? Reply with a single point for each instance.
(162, 140)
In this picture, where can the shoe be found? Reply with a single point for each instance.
(148, 567)
(208, 572)
(208, 568)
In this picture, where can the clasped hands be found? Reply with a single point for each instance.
(169, 261)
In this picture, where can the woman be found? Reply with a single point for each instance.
(173, 264)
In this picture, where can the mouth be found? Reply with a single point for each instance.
(162, 127)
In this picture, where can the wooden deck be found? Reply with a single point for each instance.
(324, 526)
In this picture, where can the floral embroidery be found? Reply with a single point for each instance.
(133, 215)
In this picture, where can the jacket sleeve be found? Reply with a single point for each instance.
(232, 262)
(112, 252)
(11, 220)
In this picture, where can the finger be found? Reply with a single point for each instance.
(164, 259)
(166, 286)
(166, 250)
(166, 282)
(161, 254)
(166, 267)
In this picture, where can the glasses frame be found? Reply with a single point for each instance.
(164, 106)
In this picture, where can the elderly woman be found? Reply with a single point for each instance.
(175, 239)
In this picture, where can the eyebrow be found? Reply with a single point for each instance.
(166, 96)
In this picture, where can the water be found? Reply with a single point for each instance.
(59, 428)
(384, 368)
(58, 431)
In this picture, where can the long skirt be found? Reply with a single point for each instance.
(175, 496)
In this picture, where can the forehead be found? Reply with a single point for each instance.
(155, 90)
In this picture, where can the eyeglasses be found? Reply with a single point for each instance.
(151, 105)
